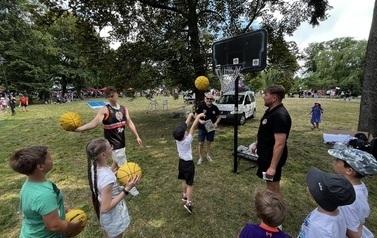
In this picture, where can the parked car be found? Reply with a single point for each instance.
(246, 106)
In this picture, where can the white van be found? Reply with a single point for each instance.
(246, 106)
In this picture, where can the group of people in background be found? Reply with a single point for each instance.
(342, 198)
(9, 101)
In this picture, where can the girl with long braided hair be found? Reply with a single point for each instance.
(107, 194)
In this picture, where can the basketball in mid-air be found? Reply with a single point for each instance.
(127, 172)
(70, 121)
(75, 216)
(202, 83)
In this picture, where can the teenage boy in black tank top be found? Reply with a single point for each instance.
(115, 118)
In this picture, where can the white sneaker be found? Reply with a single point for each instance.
(200, 161)
(134, 191)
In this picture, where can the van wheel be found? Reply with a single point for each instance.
(254, 113)
(242, 120)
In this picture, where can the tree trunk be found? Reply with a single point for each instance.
(368, 105)
(196, 52)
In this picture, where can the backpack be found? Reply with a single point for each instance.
(360, 142)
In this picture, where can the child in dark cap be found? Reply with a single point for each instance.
(329, 191)
(355, 164)
(186, 167)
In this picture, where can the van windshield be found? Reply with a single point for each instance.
(229, 99)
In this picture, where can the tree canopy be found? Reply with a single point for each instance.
(335, 63)
(162, 42)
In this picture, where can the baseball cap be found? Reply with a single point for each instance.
(179, 131)
(329, 190)
(361, 161)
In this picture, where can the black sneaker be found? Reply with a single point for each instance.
(188, 207)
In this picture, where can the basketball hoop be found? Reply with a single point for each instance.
(243, 53)
(227, 76)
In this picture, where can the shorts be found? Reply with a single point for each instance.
(119, 156)
(23, 105)
(186, 171)
(263, 165)
(203, 134)
(116, 220)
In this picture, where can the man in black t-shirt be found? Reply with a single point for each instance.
(212, 113)
(271, 145)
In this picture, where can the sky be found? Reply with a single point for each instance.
(347, 19)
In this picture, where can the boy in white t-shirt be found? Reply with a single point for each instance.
(186, 165)
(355, 164)
(329, 191)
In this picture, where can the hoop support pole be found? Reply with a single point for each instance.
(235, 161)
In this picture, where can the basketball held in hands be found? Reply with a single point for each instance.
(127, 172)
(70, 121)
(76, 215)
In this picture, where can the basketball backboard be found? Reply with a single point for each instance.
(248, 51)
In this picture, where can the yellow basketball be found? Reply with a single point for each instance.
(74, 216)
(127, 172)
(202, 83)
(70, 121)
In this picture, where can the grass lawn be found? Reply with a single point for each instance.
(223, 200)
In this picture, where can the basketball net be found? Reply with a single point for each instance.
(227, 76)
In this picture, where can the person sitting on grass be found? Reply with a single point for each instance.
(271, 210)
(186, 165)
(41, 204)
(329, 191)
(355, 164)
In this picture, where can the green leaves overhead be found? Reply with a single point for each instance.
(161, 42)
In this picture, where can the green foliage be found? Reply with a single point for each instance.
(256, 83)
(21, 46)
(161, 43)
(336, 63)
(174, 38)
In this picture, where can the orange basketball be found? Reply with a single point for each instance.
(127, 172)
(202, 83)
(70, 121)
